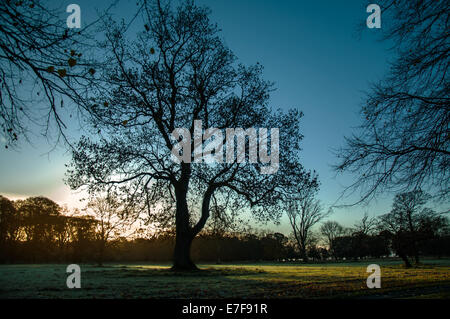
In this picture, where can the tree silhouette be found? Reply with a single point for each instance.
(304, 211)
(9, 226)
(366, 226)
(179, 71)
(38, 215)
(409, 222)
(331, 230)
(403, 142)
(112, 220)
(39, 220)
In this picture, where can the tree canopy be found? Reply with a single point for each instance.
(403, 141)
(175, 74)
(42, 62)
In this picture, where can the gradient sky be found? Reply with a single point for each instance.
(314, 51)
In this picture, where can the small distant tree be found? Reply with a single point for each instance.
(408, 222)
(330, 230)
(273, 246)
(313, 250)
(113, 219)
(343, 247)
(82, 233)
(365, 226)
(304, 211)
(222, 222)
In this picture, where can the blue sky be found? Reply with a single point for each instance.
(314, 51)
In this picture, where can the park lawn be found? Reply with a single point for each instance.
(258, 280)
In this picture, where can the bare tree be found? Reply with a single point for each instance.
(331, 230)
(403, 142)
(304, 211)
(366, 226)
(405, 223)
(113, 219)
(178, 71)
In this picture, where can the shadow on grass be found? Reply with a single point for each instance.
(160, 282)
(124, 271)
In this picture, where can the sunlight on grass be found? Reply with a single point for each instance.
(431, 280)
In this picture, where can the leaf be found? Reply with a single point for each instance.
(125, 122)
(62, 72)
(51, 69)
(72, 62)
(91, 71)
(105, 104)
(152, 51)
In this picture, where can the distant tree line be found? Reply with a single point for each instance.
(37, 230)
(408, 231)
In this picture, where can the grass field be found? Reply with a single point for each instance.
(262, 280)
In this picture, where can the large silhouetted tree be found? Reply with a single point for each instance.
(403, 142)
(178, 71)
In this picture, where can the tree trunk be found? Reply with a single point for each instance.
(184, 236)
(415, 250)
(414, 238)
(332, 251)
(405, 259)
(101, 253)
(182, 253)
(304, 254)
(416, 258)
